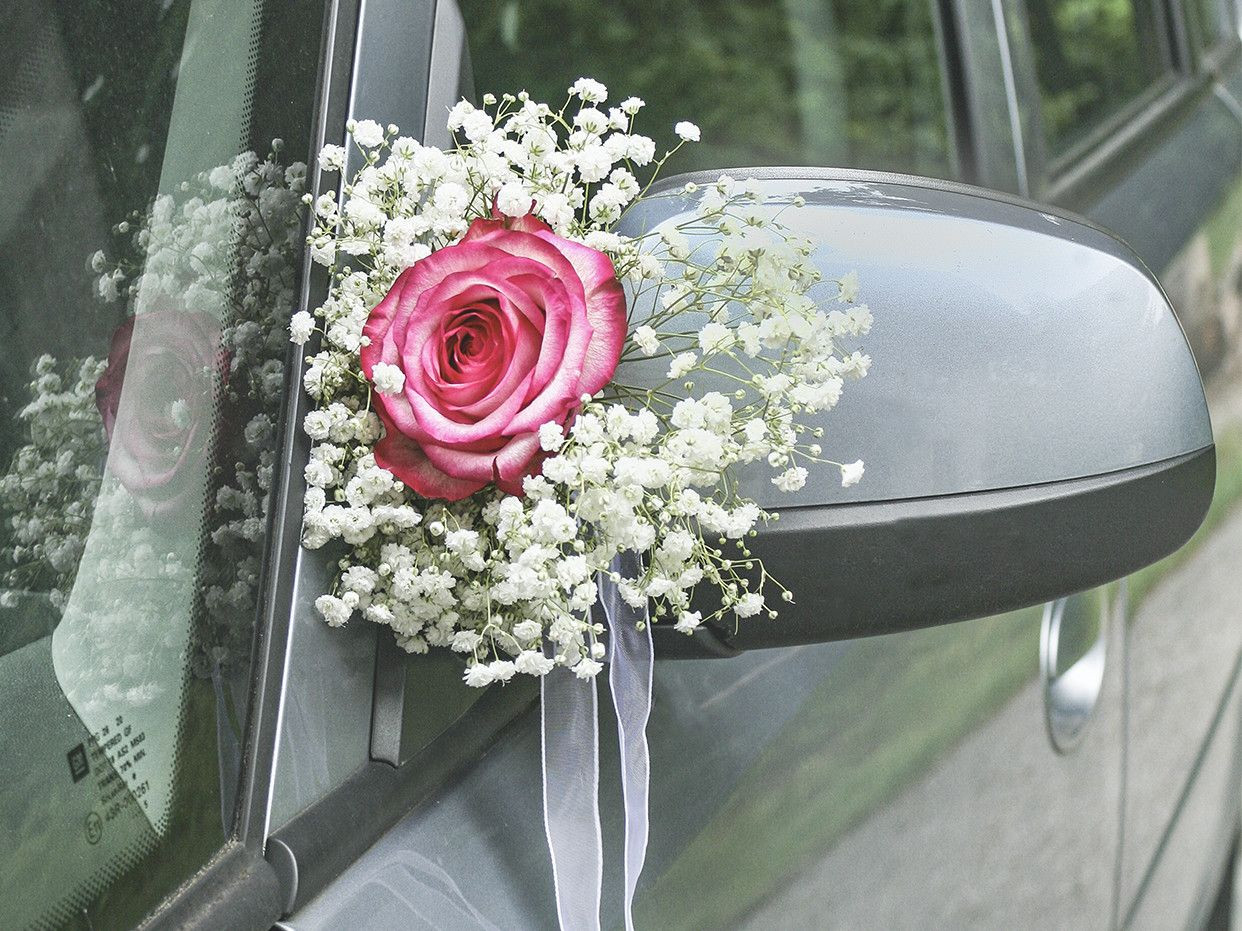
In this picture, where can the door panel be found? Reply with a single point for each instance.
(899, 781)
(1173, 190)
(1179, 208)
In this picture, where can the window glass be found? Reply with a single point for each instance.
(1213, 20)
(150, 237)
(847, 83)
(1092, 58)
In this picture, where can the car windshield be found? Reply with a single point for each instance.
(150, 239)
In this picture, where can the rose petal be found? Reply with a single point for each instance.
(495, 386)
(496, 336)
(407, 460)
(606, 311)
(509, 463)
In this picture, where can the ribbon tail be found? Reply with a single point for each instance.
(569, 736)
(629, 677)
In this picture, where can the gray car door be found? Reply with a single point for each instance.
(902, 781)
(1156, 155)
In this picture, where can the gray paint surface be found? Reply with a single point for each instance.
(870, 733)
(1012, 346)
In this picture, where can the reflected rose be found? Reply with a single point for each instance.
(157, 402)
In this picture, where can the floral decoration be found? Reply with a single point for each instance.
(479, 456)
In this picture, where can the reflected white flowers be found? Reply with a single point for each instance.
(725, 303)
(47, 496)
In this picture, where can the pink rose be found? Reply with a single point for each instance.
(156, 399)
(496, 336)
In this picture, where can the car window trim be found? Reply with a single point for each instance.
(1068, 180)
(1061, 175)
(285, 517)
(1206, 53)
(1154, 99)
(956, 88)
(317, 845)
(1220, 58)
(237, 887)
(1143, 123)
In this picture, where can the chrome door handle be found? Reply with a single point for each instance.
(1071, 694)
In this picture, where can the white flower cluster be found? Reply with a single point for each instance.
(48, 494)
(226, 243)
(724, 305)
(185, 251)
(54, 498)
(267, 239)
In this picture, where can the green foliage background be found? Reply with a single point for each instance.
(843, 83)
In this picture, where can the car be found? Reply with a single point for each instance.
(1007, 695)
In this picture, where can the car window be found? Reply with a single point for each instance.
(150, 237)
(1093, 58)
(844, 83)
(1212, 21)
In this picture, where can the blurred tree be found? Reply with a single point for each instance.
(1092, 57)
(852, 83)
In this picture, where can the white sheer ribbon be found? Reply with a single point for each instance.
(569, 728)
(570, 737)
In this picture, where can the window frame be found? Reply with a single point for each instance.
(1070, 178)
(1213, 58)
(238, 887)
(1171, 37)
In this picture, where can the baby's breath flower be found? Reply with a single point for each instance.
(682, 364)
(852, 473)
(791, 479)
(687, 132)
(301, 327)
(332, 158)
(848, 292)
(367, 133)
(478, 675)
(388, 379)
(589, 90)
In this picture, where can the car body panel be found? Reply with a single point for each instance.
(1176, 200)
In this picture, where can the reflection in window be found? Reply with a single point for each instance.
(1212, 21)
(845, 83)
(149, 251)
(1092, 58)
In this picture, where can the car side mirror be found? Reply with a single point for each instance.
(1033, 423)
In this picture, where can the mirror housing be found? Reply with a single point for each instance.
(1033, 423)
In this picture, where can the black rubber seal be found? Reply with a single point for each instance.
(861, 570)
